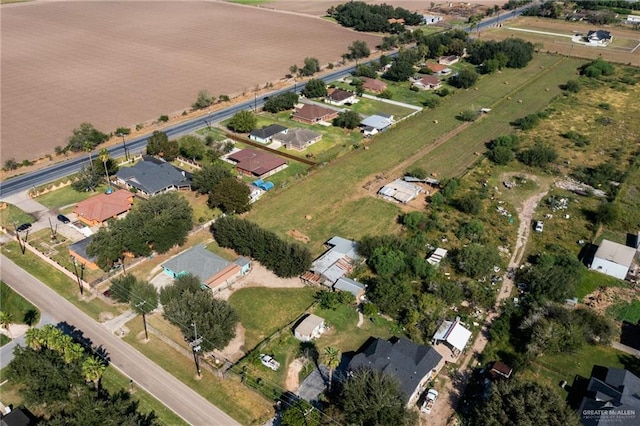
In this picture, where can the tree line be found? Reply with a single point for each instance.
(246, 238)
(373, 18)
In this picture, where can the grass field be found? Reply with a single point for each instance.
(626, 311)
(333, 195)
(11, 215)
(263, 311)
(17, 306)
(62, 284)
(66, 196)
(592, 280)
(229, 395)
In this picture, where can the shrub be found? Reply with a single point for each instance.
(538, 156)
(527, 122)
(468, 115)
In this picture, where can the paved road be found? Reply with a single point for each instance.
(189, 405)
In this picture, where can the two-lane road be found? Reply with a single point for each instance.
(184, 401)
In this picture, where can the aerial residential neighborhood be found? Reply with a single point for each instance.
(313, 212)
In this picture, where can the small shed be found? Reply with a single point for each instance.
(453, 334)
(311, 327)
(352, 286)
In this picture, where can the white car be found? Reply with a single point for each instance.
(269, 362)
(429, 400)
(539, 226)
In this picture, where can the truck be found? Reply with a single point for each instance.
(429, 400)
(269, 362)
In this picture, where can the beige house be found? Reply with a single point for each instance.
(309, 328)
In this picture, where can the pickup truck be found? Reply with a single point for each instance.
(269, 362)
(430, 399)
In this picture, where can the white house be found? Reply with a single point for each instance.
(431, 19)
(310, 328)
(599, 38)
(453, 334)
(400, 191)
(341, 97)
(613, 259)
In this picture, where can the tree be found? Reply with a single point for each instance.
(371, 397)
(205, 179)
(160, 145)
(92, 370)
(331, 357)
(527, 122)
(121, 287)
(552, 276)
(10, 164)
(315, 88)
(469, 203)
(5, 321)
(347, 119)
(538, 156)
(159, 211)
(572, 86)
(87, 179)
(230, 196)
(300, 413)
(192, 147)
(401, 69)
(203, 100)
(358, 50)
(216, 320)
(597, 68)
(607, 213)
(243, 122)
(365, 70)
(311, 66)
(477, 260)
(465, 78)
(501, 155)
(518, 402)
(282, 102)
(293, 69)
(85, 133)
(104, 157)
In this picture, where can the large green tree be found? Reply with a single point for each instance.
(205, 179)
(85, 135)
(160, 145)
(370, 397)
(192, 147)
(300, 413)
(521, 402)
(347, 119)
(231, 196)
(281, 102)
(243, 122)
(315, 88)
(358, 50)
(477, 260)
(311, 66)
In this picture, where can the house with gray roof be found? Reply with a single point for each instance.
(352, 286)
(413, 365)
(333, 264)
(266, 133)
(78, 251)
(376, 123)
(297, 138)
(213, 271)
(610, 395)
(153, 176)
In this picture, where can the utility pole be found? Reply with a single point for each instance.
(75, 268)
(195, 345)
(144, 318)
(124, 145)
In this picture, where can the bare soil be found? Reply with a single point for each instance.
(299, 236)
(601, 299)
(292, 382)
(121, 63)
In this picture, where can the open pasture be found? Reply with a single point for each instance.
(623, 49)
(120, 63)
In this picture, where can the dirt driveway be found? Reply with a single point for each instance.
(260, 277)
(443, 411)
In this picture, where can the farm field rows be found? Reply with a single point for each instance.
(334, 196)
(122, 63)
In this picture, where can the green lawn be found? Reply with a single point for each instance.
(333, 195)
(113, 381)
(62, 284)
(626, 311)
(66, 196)
(592, 280)
(20, 309)
(12, 215)
(370, 106)
(229, 394)
(263, 311)
(4, 339)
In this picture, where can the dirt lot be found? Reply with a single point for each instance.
(122, 63)
(624, 40)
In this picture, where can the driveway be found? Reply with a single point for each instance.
(314, 384)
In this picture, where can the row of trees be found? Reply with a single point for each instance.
(192, 309)
(156, 225)
(59, 378)
(373, 18)
(248, 239)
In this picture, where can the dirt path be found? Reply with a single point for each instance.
(260, 277)
(292, 383)
(443, 412)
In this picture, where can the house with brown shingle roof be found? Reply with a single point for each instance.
(438, 69)
(96, 210)
(341, 97)
(312, 114)
(428, 82)
(373, 85)
(256, 163)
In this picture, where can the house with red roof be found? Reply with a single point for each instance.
(428, 82)
(312, 114)
(96, 210)
(373, 85)
(256, 163)
(438, 69)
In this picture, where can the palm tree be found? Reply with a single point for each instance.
(331, 358)
(72, 352)
(92, 369)
(87, 147)
(5, 321)
(33, 338)
(104, 157)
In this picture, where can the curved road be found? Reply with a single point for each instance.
(178, 397)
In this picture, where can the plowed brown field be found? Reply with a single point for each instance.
(118, 63)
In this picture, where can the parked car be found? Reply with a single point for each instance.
(268, 361)
(539, 226)
(62, 218)
(430, 399)
(24, 227)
